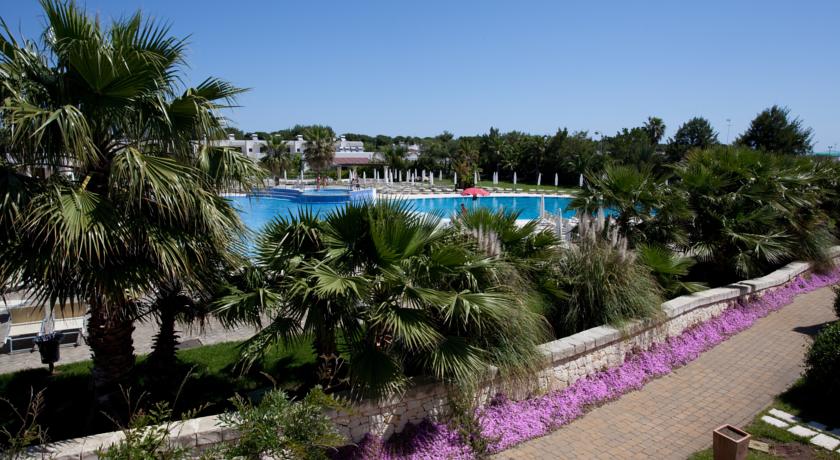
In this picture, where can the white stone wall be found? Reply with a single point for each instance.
(567, 360)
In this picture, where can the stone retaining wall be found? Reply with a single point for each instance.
(567, 360)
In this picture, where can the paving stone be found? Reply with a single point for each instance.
(825, 441)
(730, 383)
(775, 422)
(784, 416)
(802, 432)
(144, 334)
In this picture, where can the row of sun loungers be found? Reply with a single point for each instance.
(405, 190)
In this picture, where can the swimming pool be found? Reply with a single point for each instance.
(258, 211)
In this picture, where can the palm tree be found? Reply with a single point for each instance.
(632, 194)
(655, 129)
(669, 269)
(106, 195)
(754, 211)
(320, 147)
(529, 250)
(406, 296)
(278, 157)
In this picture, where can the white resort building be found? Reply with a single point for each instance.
(347, 153)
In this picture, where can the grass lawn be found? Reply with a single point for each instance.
(209, 373)
(520, 187)
(799, 401)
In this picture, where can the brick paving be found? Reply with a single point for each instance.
(673, 417)
(143, 336)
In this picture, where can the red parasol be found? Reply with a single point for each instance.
(475, 191)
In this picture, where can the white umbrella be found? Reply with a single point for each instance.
(364, 176)
(431, 179)
(440, 175)
(455, 179)
(475, 178)
(284, 175)
(556, 180)
(539, 179)
(514, 179)
(580, 180)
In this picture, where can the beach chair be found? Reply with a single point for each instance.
(5, 326)
(26, 332)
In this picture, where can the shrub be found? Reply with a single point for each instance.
(280, 428)
(822, 364)
(604, 281)
(147, 437)
(27, 431)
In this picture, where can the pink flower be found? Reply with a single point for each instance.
(506, 423)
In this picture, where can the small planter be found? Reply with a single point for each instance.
(730, 443)
(49, 348)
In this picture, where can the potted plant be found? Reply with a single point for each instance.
(48, 347)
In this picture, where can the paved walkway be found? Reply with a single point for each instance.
(672, 417)
(143, 336)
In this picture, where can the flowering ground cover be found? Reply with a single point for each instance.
(506, 423)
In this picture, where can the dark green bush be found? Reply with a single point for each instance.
(822, 364)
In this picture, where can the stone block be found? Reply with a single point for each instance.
(802, 432)
(780, 414)
(774, 421)
(677, 306)
(605, 335)
(825, 441)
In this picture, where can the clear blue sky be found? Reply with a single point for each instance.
(418, 68)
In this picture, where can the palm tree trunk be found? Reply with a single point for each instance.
(328, 360)
(112, 350)
(165, 345)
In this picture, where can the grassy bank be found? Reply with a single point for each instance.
(210, 376)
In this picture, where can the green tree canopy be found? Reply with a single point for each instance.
(696, 133)
(774, 131)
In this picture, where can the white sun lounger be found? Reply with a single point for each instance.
(28, 331)
(5, 330)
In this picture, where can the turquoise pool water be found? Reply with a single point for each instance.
(528, 206)
(257, 211)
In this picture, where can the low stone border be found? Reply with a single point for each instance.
(568, 360)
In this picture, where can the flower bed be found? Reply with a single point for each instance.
(506, 423)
